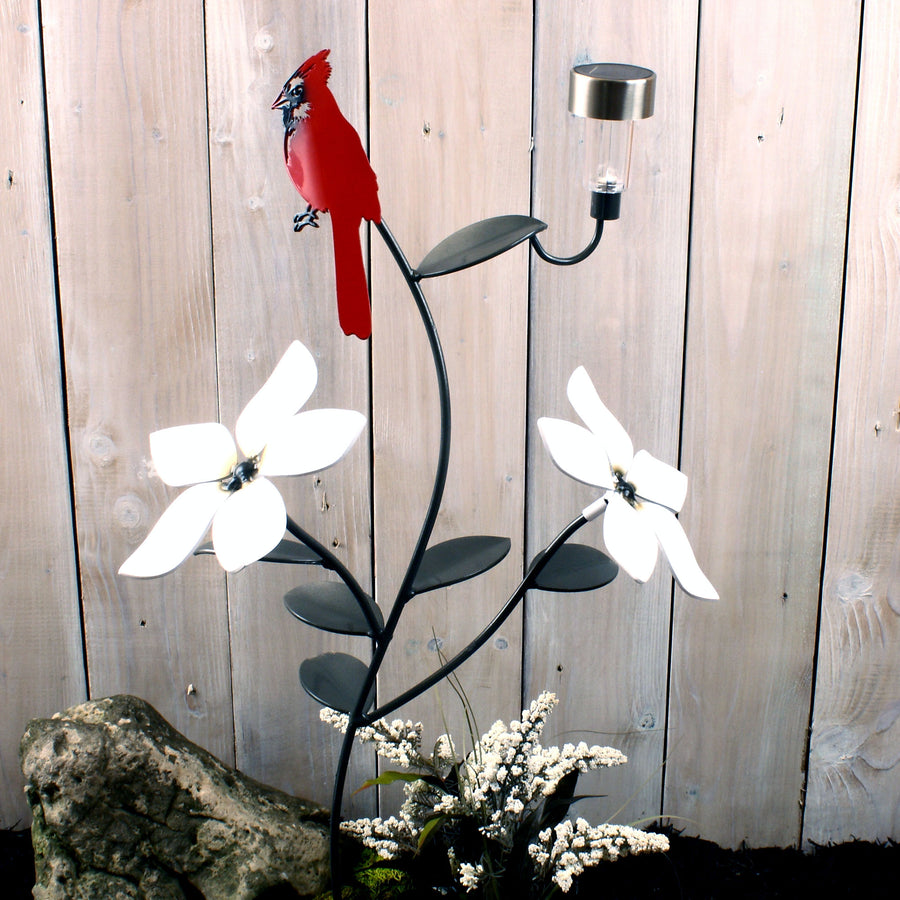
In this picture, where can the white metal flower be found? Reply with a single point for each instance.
(235, 495)
(641, 493)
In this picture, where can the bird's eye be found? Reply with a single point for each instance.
(296, 91)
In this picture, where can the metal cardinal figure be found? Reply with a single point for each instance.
(330, 169)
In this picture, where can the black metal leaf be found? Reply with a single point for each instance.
(577, 567)
(331, 606)
(458, 560)
(335, 680)
(285, 552)
(476, 243)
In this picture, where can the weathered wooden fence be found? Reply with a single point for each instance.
(742, 319)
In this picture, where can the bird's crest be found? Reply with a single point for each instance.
(319, 61)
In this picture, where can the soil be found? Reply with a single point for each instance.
(693, 869)
(16, 863)
(700, 870)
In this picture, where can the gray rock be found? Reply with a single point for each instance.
(126, 807)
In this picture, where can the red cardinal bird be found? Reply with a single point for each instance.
(329, 168)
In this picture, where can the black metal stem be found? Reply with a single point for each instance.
(440, 367)
(405, 593)
(357, 718)
(535, 569)
(331, 562)
(337, 799)
(569, 260)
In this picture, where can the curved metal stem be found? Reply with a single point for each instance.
(405, 592)
(443, 384)
(569, 260)
(537, 566)
(330, 561)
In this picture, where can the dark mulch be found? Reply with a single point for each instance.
(16, 863)
(695, 869)
(692, 870)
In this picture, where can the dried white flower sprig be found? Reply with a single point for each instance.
(502, 788)
(397, 741)
(566, 850)
(509, 769)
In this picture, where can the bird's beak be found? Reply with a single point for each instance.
(281, 101)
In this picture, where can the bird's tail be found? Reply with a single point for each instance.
(354, 310)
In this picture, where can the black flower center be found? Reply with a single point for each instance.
(625, 488)
(242, 473)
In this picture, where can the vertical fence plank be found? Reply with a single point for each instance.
(451, 114)
(450, 128)
(775, 101)
(620, 315)
(41, 667)
(273, 286)
(126, 91)
(854, 776)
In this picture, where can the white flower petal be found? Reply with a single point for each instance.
(677, 549)
(286, 390)
(630, 539)
(311, 441)
(179, 529)
(189, 454)
(577, 451)
(658, 481)
(587, 403)
(249, 524)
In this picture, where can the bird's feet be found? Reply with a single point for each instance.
(310, 217)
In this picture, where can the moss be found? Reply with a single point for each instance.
(384, 881)
(374, 878)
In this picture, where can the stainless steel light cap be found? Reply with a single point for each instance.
(612, 91)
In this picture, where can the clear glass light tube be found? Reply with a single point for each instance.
(607, 149)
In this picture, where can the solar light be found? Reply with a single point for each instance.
(613, 95)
